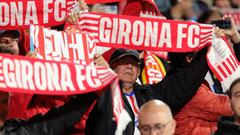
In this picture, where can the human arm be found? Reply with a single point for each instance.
(233, 35)
(56, 121)
(209, 104)
(180, 85)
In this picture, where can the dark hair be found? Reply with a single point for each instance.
(173, 2)
(232, 85)
(214, 2)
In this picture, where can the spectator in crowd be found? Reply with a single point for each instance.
(180, 10)
(155, 117)
(232, 36)
(146, 8)
(9, 41)
(175, 90)
(231, 125)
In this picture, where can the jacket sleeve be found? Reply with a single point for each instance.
(180, 86)
(55, 122)
(236, 48)
(209, 102)
(205, 106)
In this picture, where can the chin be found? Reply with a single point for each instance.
(127, 81)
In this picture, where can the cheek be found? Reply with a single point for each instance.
(235, 103)
(119, 72)
(16, 47)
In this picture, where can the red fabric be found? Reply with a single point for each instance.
(107, 55)
(24, 42)
(135, 7)
(200, 115)
(99, 24)
(39, 14)
(18, 103)
(42, 104)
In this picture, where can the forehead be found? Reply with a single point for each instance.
(7, 35)
(128, 57)
(152, 118)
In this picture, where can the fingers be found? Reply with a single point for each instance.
(100, 61)
(219, 32)
(228, 17)
(31, 54)
(73, 18)
(83, 5)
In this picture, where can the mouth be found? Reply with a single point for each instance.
(4, 49)
(128, 72)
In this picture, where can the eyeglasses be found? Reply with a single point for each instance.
(156, 128)
(8, 40)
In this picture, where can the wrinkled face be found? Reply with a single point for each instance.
(235, 100)
(156, 124)
(127, 69)
(9, 44)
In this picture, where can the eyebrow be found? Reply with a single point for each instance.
(234, 93)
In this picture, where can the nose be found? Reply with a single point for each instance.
(152, 132)
(129, 65)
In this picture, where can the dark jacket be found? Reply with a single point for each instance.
(57, 121)
(226, 126)
(175, 89)
(236, 48)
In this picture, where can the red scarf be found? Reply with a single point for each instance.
(20, 14)
(151, 34)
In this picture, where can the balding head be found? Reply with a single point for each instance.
(154, 115)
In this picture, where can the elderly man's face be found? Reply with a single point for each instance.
(235, 100)
(9, 44)
(127, 69)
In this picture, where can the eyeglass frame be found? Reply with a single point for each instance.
(153, 127)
